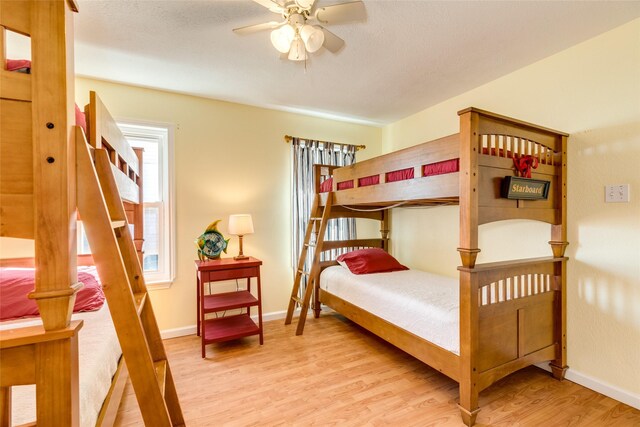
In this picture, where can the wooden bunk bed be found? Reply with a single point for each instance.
(50, 174)
(511, 314)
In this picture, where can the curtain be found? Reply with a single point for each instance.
(304, 154)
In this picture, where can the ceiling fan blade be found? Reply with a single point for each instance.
(258, 27)
(332, 42)
(341, 13)
(271, 5)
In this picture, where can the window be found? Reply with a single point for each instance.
(158, 262)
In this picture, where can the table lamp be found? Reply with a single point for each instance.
(240, 225)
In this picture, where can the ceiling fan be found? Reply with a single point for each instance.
(300, 31)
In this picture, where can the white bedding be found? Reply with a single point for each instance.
(422, 303)
(99, 354)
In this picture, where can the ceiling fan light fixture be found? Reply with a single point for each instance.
(298, 51)
(313, 37)
(282, 37)
(304, 4)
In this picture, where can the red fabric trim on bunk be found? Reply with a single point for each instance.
(440, 168)
(369, 180)
(399, 175)
(345, 185)
(325, 186)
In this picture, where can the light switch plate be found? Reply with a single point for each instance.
(617, 193)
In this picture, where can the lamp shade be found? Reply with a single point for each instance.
(240, 224)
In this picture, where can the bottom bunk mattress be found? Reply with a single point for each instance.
(425, 304)
(99, 353)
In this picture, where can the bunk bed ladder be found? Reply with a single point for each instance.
(321, 215)
(116, 259)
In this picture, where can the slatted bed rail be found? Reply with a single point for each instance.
(103, 132)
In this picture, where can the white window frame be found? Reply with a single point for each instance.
(164, 134)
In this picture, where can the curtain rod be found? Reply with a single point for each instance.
(289, 138)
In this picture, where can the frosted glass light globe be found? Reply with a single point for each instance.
(304, 4)
(312, 37)
(282, 37)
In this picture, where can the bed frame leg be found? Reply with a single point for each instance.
(5, 406)
(468, 417)
(558, 372)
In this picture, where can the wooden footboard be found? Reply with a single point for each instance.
(517, 316)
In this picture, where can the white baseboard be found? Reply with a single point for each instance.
(178, 332)
(601, 387)
(191, 329)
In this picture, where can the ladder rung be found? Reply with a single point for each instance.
(303, 272)
(310, 245)
(161, 374)
(296, 299)
(315, 218)
(118, 223)
(139, 299)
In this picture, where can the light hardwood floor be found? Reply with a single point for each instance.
(339, 374)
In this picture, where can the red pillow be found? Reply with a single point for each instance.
(17, 283)
(373, 260)
(81, 120)
(18, 64)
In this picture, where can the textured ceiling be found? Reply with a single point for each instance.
(407, 55)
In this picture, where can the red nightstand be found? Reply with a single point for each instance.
(228, 327)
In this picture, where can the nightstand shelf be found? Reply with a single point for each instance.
(229, 301)
(224, 326)
(229, 328)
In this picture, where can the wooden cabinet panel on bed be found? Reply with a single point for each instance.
(502, 332)
(535, 327)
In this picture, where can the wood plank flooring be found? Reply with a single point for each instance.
(338, 374)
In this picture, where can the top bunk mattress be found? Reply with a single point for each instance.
(99, 353)
(425, 304)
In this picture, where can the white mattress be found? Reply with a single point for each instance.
(422, 303)
(99, 354)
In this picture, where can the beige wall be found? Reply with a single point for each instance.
(229, 158)
(592, 91)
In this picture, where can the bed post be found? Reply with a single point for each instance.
(385, 223)
(468, 195)
(54, 162)
(468, 347)
(54, 199)
(558, 245)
